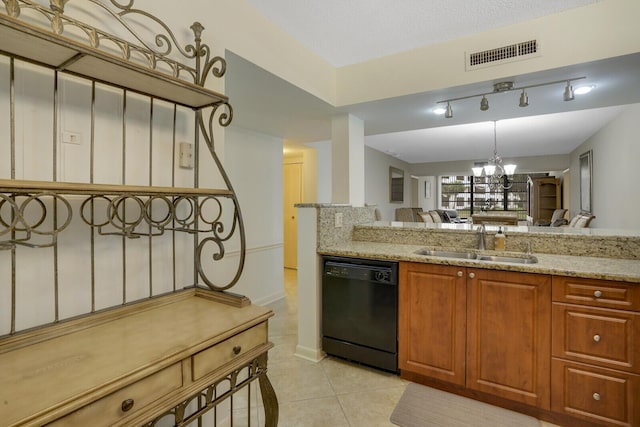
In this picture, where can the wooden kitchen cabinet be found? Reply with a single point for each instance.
(596, 350)
(508, 329)
(486, 330)
(432, 321)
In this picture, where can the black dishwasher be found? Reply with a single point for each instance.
(360, 310)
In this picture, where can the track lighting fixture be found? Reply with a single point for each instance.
(449, 113)
(507, 86)
(524, 99)
(484, 104)
(568, 92)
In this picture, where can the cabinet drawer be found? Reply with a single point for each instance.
(598, 293)
(112, 408)
(599, 395)
(214, 357)
(604, 337)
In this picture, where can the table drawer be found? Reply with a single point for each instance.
(137, 396)
(609, 338)
(598, 293)
(600, 395)
(214, 357)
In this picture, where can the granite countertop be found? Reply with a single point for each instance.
(575, 266)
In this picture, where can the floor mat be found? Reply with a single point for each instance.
(422, 406)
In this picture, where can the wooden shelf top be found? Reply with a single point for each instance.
(112, 349)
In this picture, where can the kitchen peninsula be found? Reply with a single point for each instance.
(556, 338)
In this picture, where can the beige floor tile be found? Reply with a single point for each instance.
(299, 380)
(370, 408)
(348, 377)
(283, 324)
(325, 412)
(283, 350)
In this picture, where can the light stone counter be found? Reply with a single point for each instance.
(626, 270)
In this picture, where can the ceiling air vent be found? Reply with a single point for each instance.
(500, 55)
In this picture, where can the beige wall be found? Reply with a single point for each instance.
(574, 36)
(601, 30)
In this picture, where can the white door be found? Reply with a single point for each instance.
(292, 195)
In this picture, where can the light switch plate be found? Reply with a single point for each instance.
(185, 155)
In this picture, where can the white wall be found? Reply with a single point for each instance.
(615, 201)
(323, 170)
(376, 182)
(428, 200)
(254, 164)
(463, 167)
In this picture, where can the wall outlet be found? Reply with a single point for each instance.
(185, 155)
(338, 219)
(71, 137)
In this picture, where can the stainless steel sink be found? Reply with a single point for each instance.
(510, 259)
(447, 254)
(479, 257)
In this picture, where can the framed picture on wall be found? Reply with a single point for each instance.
(396, 185)
(427, 190)
(586, 168)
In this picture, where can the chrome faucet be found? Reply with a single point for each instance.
(482, 235)
(527, 250)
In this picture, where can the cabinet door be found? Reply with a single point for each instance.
(432, 305)
(509, 335)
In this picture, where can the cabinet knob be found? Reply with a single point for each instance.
(237, 349)
(596, 396)
(472, 275)
(460, 273)
(127, 405)
(597, 294)
(596, 338)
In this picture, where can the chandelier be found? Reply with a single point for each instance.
(494, 170)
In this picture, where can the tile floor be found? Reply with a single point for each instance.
(331, 393)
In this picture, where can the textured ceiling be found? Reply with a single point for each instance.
(345, 32)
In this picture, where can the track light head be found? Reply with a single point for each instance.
(568, 92)
(449, 113)
(484, 104)
(524, 99)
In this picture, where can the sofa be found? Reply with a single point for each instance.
(418, 215)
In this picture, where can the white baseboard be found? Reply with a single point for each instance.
(269, 298)
(306, 353)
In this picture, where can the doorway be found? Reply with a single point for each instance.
(292, 195)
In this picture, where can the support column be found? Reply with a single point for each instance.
(347, 137)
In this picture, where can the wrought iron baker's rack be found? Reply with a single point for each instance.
(71, 46)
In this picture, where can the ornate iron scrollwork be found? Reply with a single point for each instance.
(25, 215)
(222, 228)
(201, 402)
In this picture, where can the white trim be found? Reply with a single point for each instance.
(310, 354)
(255, 249)
(269, 298)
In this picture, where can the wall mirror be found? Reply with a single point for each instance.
(586, 160)
(396, 185)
